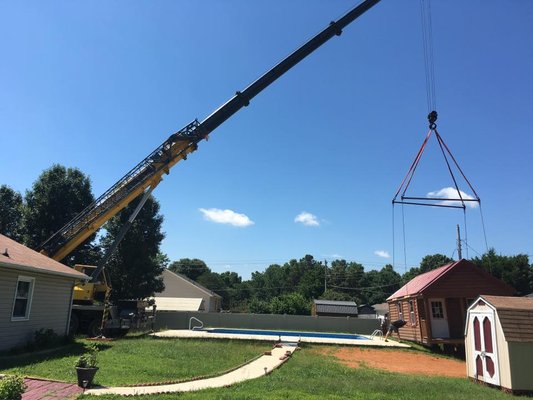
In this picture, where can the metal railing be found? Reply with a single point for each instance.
(196, 326)
(377, 333)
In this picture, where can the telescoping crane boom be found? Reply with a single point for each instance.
(146, 175)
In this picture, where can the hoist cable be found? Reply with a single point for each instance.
(483, 226)
(393, 239)
(404, 246)
(427, 45)
(466, 233)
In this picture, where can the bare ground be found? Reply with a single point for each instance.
(398, 361)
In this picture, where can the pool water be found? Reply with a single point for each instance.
(286, 333)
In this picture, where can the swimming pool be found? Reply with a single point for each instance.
(285, 333)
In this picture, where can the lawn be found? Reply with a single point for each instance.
(134, 360)
(311, 373)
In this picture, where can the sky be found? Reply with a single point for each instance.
(312, 165)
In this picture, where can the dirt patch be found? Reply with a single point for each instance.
(398, 361)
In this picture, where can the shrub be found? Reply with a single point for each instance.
(12, 387)
(44, 338)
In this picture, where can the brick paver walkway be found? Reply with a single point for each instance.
(41, 389)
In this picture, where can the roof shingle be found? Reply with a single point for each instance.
(17, 256)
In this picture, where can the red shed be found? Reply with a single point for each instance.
(435, 303)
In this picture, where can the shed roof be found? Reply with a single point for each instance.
(516, 316)
(467, 279)
(422, 281)
(336, 307)
(174, 275)
(17, 256)
(178, 303)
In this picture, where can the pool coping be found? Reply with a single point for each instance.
(198, 334)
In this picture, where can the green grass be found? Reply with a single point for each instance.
(309, 375)
(134, 360)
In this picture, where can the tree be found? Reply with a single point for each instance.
(136, 266)
(513, 270)
(258, 306)
(292, 304)
(192, 269)
(57, 196)
(11, 213)
(434, 261)
(414, 271)
(378, 285)
(331, 294)
(212, 281)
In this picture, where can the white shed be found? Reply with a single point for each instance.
(499, 342)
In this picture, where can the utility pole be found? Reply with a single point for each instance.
(459, 250)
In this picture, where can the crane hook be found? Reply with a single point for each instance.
(432, 118)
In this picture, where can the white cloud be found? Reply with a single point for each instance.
(382, 253)
(451, 193)
(307, 219)
(226, 217)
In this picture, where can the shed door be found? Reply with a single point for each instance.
(484, 344)
(439, 319)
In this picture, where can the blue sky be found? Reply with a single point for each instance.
(312, 165)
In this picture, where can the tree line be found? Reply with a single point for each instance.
(57, 196)
(60, 193)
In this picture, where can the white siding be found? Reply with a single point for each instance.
(49, 307)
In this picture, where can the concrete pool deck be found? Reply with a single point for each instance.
(183, 333)
(254, 369)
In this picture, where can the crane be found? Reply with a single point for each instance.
(147, 174)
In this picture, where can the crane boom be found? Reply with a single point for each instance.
(148, 173)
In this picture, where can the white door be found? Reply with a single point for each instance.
(439, 319)
(485, 360)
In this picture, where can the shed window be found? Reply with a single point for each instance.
(412, 317)
(23, 297)
(400, 311)
(437, 310)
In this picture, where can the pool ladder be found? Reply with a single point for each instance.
(377, 333)
(192, 328)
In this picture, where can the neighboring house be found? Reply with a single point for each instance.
(434, 304)
(333, 308)
(499, 342)
(184, 294)
(366, 311)
(382, 310)
(35, 293)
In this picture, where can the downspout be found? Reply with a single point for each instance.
(70, 308)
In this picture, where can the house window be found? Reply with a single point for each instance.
(400, 311)
(23, 297)
(412, 312)
(437, 310)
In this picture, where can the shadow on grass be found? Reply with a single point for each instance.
(27, 358)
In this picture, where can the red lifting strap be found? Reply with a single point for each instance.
(425, 201)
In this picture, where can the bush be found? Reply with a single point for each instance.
(12, 387)
(44, 338)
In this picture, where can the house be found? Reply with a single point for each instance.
(366, 311)
(382, 310)
(35, 293)
(184, 294)
(499, 342)
(333, 308)
(434, 304)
